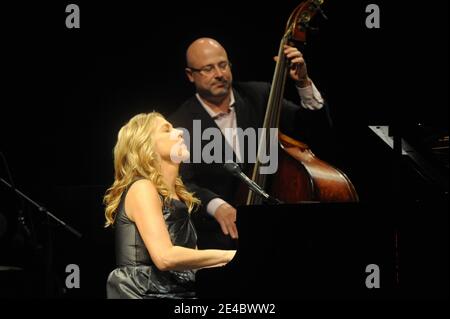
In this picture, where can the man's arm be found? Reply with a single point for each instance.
(311, 122)
(212, 204)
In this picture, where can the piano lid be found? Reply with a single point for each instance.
(426, 146)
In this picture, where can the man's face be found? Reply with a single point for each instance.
(210, 71)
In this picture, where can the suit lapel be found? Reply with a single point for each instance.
(243, 120)
(242, 112)
(199, 113)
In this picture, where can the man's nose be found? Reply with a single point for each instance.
(218, 71)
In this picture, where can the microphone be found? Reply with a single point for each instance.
(235, 170)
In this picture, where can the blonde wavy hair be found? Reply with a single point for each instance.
(135, 157)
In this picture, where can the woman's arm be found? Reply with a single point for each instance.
(143, 206)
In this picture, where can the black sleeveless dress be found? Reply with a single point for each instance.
(136, 276)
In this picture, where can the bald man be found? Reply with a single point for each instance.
(219, 104)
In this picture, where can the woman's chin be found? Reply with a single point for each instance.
(185, 155)
(181, 155)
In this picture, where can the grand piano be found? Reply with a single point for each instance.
(328, 251)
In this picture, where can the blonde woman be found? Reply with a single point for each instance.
(149, 207)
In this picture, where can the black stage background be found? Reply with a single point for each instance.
(66, 93)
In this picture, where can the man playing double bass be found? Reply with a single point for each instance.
(219, 103)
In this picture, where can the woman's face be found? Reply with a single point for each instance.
(169, 142)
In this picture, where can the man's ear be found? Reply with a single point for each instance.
(189, 74)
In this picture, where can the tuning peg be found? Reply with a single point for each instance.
(322, 13)
(306, 26)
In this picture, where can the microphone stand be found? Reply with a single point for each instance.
(30, 234)
(273, 201)
(235, 170)
(266, 198)
(43, 209)
(50, 217)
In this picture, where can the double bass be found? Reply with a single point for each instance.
(301, 176)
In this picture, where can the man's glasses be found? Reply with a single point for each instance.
(210, 69)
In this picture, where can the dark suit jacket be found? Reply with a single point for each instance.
(209, 181)
(212, 180)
